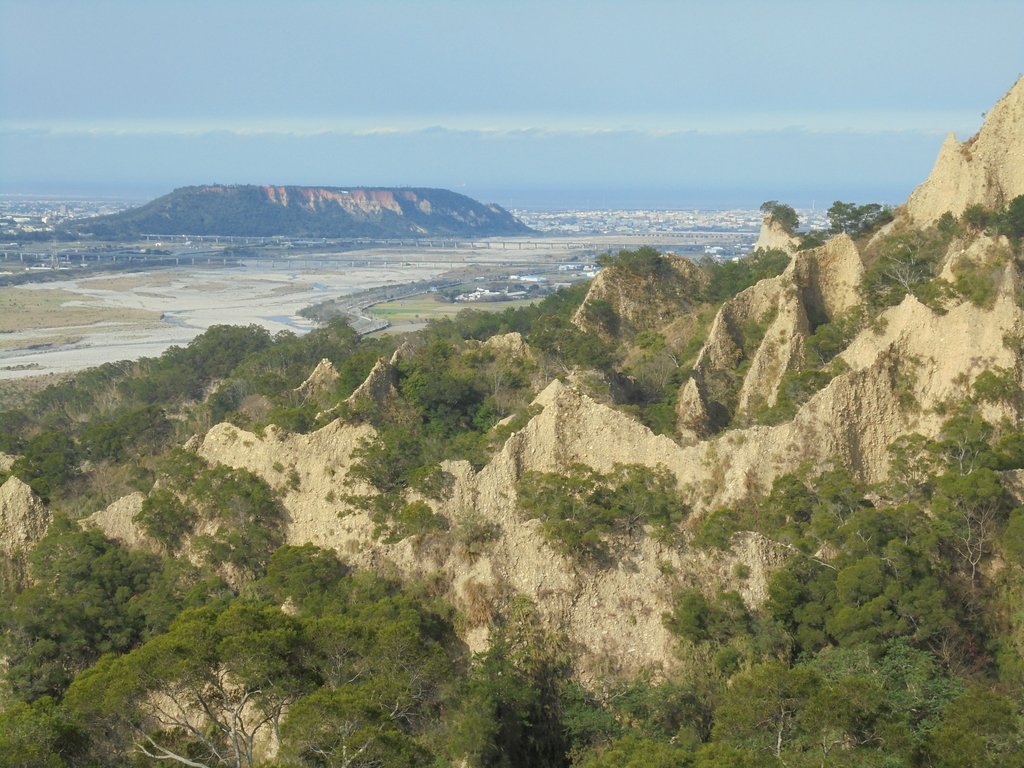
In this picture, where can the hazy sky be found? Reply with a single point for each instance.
(525, 103)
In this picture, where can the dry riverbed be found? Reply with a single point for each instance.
(56, 328)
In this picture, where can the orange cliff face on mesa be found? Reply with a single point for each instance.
(368, 200)
(376, 198)
(278, 195)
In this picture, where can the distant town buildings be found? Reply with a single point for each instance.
(485, 294)
(645, 222)
(28, 214)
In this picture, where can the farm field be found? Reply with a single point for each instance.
(413, 313)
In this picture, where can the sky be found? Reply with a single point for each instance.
(548, 104)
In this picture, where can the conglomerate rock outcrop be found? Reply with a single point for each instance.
(117, 521)
(641, 302)
(987, 169)
(24, 520)
(899, 369)
(898, 376)
(321, 381)
(763, 329)
(773, 235)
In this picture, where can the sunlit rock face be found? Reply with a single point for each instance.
(987, 169)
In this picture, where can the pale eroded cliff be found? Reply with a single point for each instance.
(773, 235)
(23, 522)
(987, 169)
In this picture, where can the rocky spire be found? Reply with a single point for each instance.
(987, 169)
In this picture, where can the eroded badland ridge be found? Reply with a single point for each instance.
(909, 353)
(845, 414)
(986, 170)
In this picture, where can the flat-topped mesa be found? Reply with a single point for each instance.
(294, 211)
(986, 170)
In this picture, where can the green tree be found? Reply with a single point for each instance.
(716, 529)
(691, 614)
(84, 603)
(130, 432)
(947, 225)
(799, 597)
(601, 314)
(698, 619)
(971, 509)
(1013, 537)
(249, 514)
(730, 277)
(49, 462)
(39, 735)
(581, 508)
(672, 711)
(644, 262)
(857, 220)
(569, 509)
(865, 611)
(305, 576)
(905, 264)
(976, 217)
(202, 693)
(349, 727)
(510, 713)
(721, 755)
(1012, 219)
(782, 214)
(761, 709)
(164, 517)
(852, 715)
(638, 752)
(386, 461)
(637, 496)
(915, 689)
(445, 395)
(980, 729)
(565, 342)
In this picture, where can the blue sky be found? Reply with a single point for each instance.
(525, 103)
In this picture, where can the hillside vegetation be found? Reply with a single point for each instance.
(764, 513)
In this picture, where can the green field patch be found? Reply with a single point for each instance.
(419, 309)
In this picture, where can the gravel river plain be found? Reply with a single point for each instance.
(59, 327)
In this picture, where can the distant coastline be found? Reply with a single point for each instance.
(540, 198)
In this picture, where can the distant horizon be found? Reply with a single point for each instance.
(530, 104)
(550, 171)
(528, 198)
